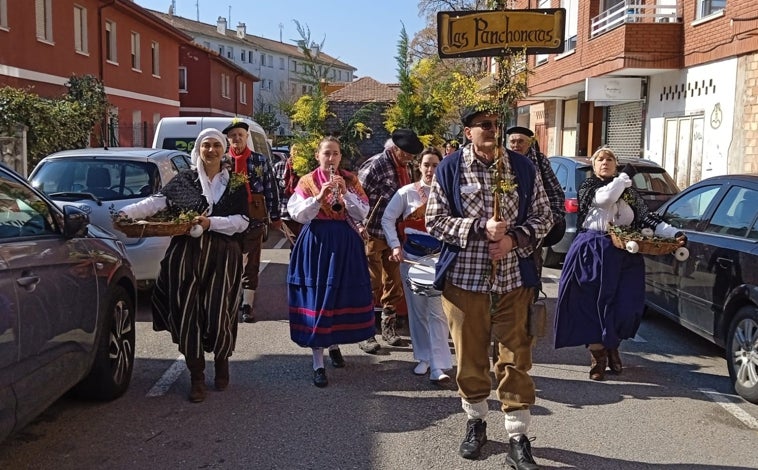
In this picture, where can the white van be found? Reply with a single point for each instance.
(179, 133)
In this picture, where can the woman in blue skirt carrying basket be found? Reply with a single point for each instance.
(601, 293)
(329, 289)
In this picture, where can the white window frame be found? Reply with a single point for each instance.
(263, 59)
(224, 85)
(572, 20)
(81, 44)
(281, 63)
(44, 20)
(110, 37)
(706, 8)
(542, 58)
(135, 52)
(182, 79)
(4, 14)
(155, 52)
(243, 93)
(250, 57)
(270, 60)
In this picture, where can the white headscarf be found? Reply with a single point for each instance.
(209, 133)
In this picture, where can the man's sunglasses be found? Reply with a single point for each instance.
(486, 125)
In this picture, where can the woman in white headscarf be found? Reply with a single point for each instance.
(197, 292)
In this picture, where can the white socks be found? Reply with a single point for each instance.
(318, 358)
(517, 422)
(476, 410)
(248, 296)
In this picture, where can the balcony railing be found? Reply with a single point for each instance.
(632, 12)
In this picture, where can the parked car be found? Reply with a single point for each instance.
(102, 180)
(67, 305)
(715, 291)
(652, 181)
(179, 133)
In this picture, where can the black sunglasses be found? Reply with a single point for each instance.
(486, 125)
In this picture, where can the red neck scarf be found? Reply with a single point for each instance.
(402, 172)
(240, 166)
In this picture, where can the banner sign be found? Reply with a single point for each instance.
(494, 33)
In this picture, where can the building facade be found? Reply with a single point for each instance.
(278, 66)
(669, 80)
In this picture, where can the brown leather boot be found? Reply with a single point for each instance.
(614, 361)
(598, 364)
(196, 367)
(221, 380)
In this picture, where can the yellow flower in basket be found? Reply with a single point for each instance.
(237, 180)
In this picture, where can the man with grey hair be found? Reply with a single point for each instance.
(381, 176)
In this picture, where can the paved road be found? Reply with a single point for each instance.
(672, 408)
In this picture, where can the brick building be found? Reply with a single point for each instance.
(669, 80)
(136, 56)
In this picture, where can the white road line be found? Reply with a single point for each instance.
(264, 263)
(638, 339)
(281, 243)
(169, 377)
(726, 403)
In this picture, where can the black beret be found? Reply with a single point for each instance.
(234, 125)
(519, 130)
(407, 141)
(468, 115)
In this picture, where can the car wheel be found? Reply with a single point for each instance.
(114, 360)
(742, 353)
(550, 258)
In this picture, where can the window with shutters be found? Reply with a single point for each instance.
(155, 58)
(243, 93)
(4, 14)
(135, 51)
(80, 30)
(110, 42)
(44, 19)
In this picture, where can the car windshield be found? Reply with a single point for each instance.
(649, 179)
(108, 180)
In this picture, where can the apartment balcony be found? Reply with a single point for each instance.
(629, 39)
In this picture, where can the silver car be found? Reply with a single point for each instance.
(67, 299)
(103, 180)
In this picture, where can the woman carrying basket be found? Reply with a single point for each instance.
(601, 294)
(197, 292)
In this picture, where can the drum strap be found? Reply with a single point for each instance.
(415, 219)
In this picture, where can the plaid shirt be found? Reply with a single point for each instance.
(380, 182)
(553, 188)
(261, 177)
(473, 267)
(279, 168)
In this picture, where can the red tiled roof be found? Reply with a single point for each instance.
(365, 90)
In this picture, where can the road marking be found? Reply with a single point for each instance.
(729, 405)
(264, 263)
(281, 243)
(638, 339)
(169, 377)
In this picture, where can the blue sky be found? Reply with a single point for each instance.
(361, 33)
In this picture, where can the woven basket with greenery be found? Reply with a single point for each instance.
(161, 224)
(648, 245)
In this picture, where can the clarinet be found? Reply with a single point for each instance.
(336, 205)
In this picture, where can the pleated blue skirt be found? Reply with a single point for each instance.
(601, 293)
(328, 286)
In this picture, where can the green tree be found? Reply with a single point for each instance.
(54, 123)
(267, 120)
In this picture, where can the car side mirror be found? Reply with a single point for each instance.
(75, 222)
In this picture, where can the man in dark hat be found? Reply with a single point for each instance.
(263, 202)
(521, 140)
(381, 176)
(487, 277)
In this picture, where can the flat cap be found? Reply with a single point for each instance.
(519, 130)
(407, 141)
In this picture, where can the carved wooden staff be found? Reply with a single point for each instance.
(497, 190)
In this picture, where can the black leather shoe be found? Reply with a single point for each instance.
(319, 378)
(337, 360)
(247, 314)
(476, 437)
(520, 455)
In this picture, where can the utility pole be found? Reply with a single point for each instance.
(197, 7)
(281, 27)
(229, 17)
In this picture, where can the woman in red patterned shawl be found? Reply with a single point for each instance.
(329, 289)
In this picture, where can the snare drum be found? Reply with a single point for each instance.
(421, 276)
